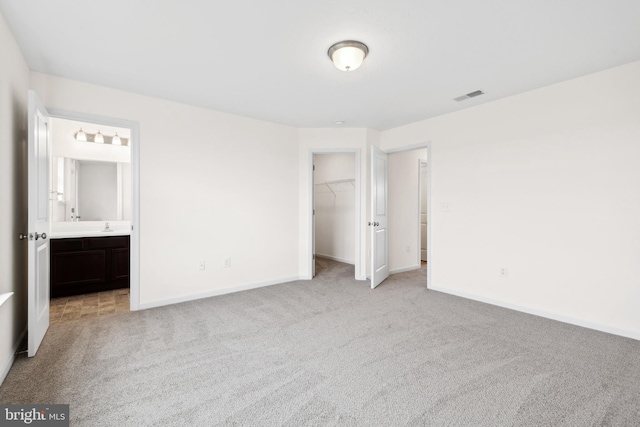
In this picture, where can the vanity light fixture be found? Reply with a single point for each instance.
(99, 138)
(348, 55)
(81, 136)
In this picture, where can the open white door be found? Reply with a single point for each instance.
(38, 171)
(378, 224)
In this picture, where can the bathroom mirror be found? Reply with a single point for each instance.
(90, 190)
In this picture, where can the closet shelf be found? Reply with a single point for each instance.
(328, 184)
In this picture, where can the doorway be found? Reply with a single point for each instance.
(422, 165)
(95, 194)
(335, 208)
(409, 207)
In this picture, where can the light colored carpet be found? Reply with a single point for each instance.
(332, 352)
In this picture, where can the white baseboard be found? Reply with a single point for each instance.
(403, 269)
(9, 362)
(213, 293)
(335, 258)
(542, 313)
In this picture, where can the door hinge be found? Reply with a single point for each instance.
(314, 167)
(314, 211)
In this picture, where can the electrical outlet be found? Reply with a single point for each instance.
(227, 262)
(407, 248)
(201, 265)
(444, 207)
(503, 272)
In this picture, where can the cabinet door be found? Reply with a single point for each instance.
(78, 268)
(120, 264)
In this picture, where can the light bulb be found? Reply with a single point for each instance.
(116, 140)
(81, 136)
(98, 138)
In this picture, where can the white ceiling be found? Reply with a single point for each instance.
(268, 60)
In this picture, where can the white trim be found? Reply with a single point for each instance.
(429, 222)
(403, 269)
(9, 363)
(215, 292)
(134, 245)
(134, 242)
(357, 207)
(541, 313)
(411, 147)
(335, 258)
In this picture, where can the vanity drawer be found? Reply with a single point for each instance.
(63, 245)
(106, 242)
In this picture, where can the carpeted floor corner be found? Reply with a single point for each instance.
(332, 352)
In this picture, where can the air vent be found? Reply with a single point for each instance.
(469, 95)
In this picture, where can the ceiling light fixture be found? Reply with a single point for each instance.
(99, 138)
(348, 55)
(81, 136)
(116, 140)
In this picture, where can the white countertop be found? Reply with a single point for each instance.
(77, 229)
(85, 233)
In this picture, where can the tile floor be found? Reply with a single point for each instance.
(86, 306)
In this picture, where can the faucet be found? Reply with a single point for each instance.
(106, 227)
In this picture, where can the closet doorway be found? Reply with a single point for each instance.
(335, 208)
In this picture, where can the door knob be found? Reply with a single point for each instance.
(23, 236)
(43, 235)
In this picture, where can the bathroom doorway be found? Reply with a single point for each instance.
(408, 181)
(94, 206)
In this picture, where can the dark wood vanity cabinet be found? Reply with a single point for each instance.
(89, 264)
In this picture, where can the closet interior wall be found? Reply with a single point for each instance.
(334, 204)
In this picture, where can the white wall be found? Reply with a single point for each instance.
(404, 199)
(335, 206)
(212, 186)
(329, 140)
(545, 183)
(14, 83)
